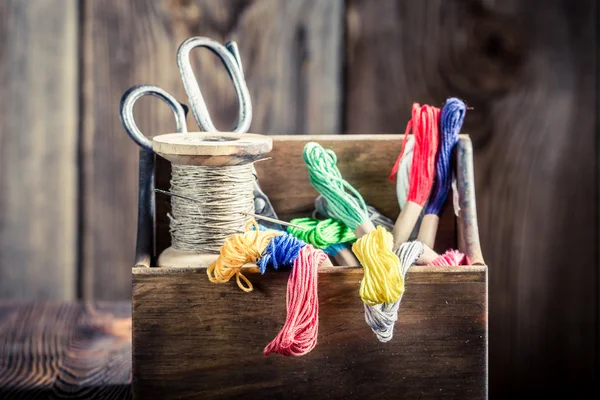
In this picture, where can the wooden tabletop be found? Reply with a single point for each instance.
(65, 350)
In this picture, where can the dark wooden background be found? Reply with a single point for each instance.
(529, 69)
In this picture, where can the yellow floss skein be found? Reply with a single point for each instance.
(382, 281)
(240, 249)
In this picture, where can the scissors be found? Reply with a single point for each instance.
(230, 56)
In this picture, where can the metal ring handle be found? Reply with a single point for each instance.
(229, 55)
(128, 100)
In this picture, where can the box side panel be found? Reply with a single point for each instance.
(197, 339)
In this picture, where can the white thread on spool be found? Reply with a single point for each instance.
(222, 194)
(216, 170)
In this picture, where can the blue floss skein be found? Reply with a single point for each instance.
(451, 121)
(282, 250)
(334, 249)
(264, 228)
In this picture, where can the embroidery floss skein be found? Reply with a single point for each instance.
(451, 121)
(382, 317)
(402, 171)
(424, 124)
(321, 233)
(324, 234)
(299, 333)
(382, 281)
(335, 249)
(342, 255)
(451, 258)
(275, 248)
(238, 251)
(281, 250)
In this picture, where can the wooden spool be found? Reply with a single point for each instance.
(215, 149)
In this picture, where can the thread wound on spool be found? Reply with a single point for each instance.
(382, 281)
(451, 121)
(221, 193)
(321, 233)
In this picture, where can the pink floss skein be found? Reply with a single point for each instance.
(299, 333)
(451, 257)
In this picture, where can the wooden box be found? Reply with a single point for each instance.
(196, 340)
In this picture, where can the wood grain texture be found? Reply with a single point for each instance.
(192, 338)
(529, 70)
(65, 350)
(292, 63)
(38, 149)
(364, 161)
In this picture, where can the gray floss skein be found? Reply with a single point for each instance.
(382, 317)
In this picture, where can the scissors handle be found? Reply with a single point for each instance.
(134, 94)
(229, 55)
(144, 248)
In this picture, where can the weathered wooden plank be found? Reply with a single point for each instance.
(65, 350)
(192, 338)
(529, 70)
(292, 63)
(38, 149)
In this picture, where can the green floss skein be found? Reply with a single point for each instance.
(321, 234)
(344, 202)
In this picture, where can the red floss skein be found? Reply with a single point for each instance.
(422, 170)
(425, 128)
(299, 333)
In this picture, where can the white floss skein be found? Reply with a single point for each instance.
(403, 174)
(403, 181)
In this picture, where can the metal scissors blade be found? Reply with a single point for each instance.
(230, 56)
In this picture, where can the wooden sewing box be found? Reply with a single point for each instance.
(193, 339)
